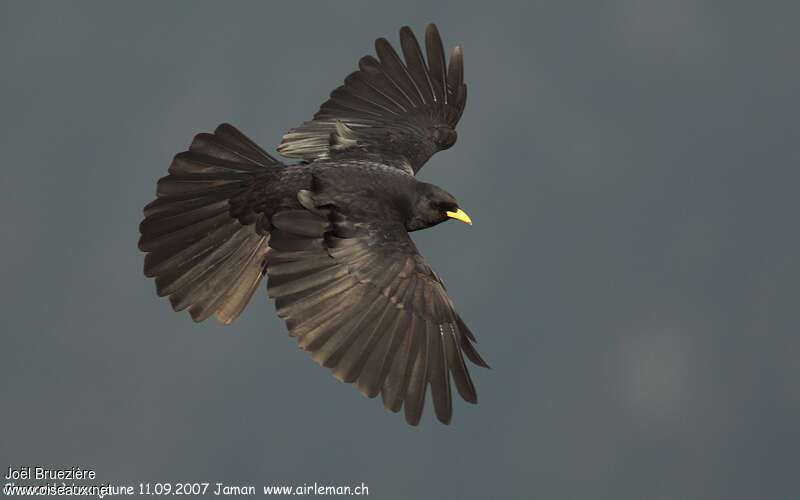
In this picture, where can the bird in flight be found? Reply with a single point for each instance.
(331, 231)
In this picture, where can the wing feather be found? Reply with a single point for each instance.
(369, 308)
(400, 111)
(416, 65)
(436, 62)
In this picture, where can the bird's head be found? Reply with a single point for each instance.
(433, 205)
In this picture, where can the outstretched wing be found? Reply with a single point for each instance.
(402, 112)
(361, 298)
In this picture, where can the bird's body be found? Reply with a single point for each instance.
(330, 232)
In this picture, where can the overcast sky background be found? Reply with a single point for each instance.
(632, 275)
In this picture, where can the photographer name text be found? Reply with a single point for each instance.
(30, 472)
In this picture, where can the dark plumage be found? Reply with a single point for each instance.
(331, 232)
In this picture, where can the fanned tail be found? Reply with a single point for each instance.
(205, 234)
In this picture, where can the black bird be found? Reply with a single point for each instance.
(331, 232)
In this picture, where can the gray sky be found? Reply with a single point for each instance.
(631, 169)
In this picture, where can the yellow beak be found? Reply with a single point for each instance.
(460, 215)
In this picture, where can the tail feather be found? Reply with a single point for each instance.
(239, 294)
(227, 143)
(188, 279)
(206, 256)
(172, 262)
(167, 223)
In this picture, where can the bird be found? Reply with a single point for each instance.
(331, 231)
